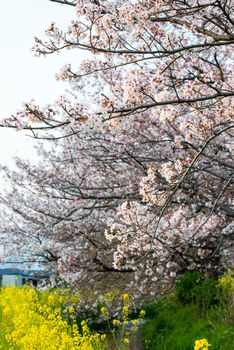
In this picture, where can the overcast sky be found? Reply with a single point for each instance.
(23, 76)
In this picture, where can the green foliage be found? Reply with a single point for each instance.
(186, 286)
(195, 311)
(194, 288)
(178, 328)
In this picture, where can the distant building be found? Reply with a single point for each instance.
(17, 269)
(12, 277)
(15, 277)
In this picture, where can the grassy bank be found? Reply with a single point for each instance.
(198, 309)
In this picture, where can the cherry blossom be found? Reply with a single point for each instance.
(138, 177)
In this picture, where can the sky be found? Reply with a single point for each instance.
(22, 75)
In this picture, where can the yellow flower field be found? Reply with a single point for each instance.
(33, 321)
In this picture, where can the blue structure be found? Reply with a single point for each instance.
(17, 277)
(18, 267)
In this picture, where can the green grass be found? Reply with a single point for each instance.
(177, 329)
(175, 326)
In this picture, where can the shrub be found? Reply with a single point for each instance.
(195, 288)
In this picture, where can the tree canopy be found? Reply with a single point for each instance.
(139, 178)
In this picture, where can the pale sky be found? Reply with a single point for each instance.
(22, 75)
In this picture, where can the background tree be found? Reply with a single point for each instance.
(145, 137)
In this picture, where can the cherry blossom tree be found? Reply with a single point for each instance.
(144, 140)
(60, 207)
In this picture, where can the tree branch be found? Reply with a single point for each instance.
(64, 2)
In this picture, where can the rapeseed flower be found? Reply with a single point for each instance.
(201, 344)
(33, 320)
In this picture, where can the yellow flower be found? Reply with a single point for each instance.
(201, 344)
(125, 309)
(126, 297)
(116, 322)
(142, 314)
(71, 310)
(51, 317)
(227, 281)
(135, 323)
(126, 340)
(32, 322)
(104, 312)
